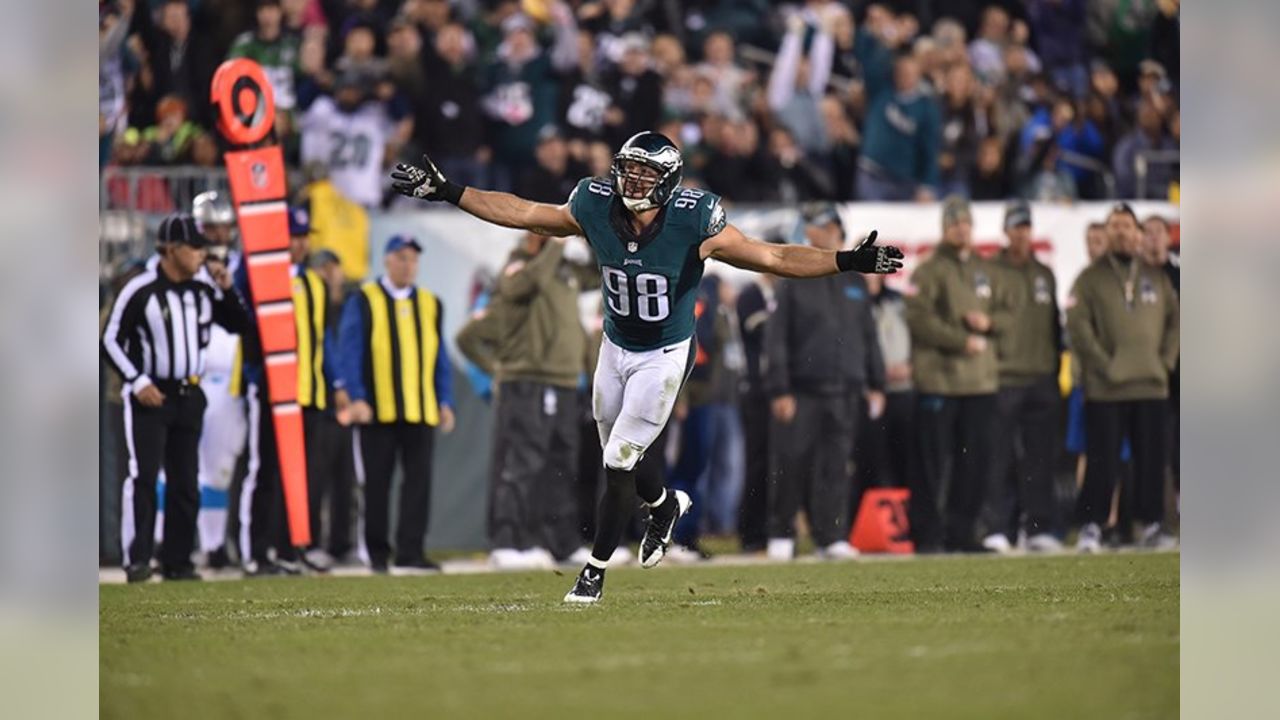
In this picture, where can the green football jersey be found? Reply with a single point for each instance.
(650, 284)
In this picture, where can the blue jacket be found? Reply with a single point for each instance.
(251, 343)
(353, 341)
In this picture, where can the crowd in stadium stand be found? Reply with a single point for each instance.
(770, 102)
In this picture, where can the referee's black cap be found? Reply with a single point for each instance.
(181, 228)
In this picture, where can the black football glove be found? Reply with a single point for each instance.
(425, 183)
(870, 258)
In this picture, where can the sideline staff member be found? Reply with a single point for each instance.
(396, 385)
(958, 312)
(156, 339)
(822, 354)
(263, 519)
(1123, 318)
(1026, 437)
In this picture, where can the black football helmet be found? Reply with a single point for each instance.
(639, 191)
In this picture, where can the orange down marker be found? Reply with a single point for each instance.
(246, 112)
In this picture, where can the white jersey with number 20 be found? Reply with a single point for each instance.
(351, 145)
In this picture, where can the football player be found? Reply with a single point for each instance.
(651, 237)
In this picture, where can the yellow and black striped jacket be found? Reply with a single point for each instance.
(392, 356)
(310, 305)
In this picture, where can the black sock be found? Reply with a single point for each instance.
(649, 478)
(616, 506)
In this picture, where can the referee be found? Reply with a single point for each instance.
(156, 338)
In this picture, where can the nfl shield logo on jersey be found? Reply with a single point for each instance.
(632, 246)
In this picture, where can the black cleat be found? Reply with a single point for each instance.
(182, 573)
(661, 525)
(588, 588)
(262, 568)
(137, 573)
(218, 558)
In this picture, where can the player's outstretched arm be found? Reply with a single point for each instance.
(800, 261)
(426, 182)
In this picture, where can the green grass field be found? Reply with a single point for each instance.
(1065, 637)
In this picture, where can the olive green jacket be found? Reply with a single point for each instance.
(1122, 319)
(946, 288)
(531, 329)
(1032, 345)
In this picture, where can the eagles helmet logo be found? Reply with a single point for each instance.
(646, 170)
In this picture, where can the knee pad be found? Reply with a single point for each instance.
(620, 454)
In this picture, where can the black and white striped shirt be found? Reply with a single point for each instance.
(159, 329)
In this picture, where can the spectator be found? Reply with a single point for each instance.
(949, 43)
(1059, 26)
(720, 65)
(584, 99)
(1027, 430)
(181, 60)
(360, 39)
(958, 311)
(901, 136)
(1123, 319)
(113, 29)
(303, 16)
(796, 177)
(610, 21)
(450, 124)
(796, 84)
(990, 179)
(668, 55)
(963, 127)
(430, 17)
(736, 168)
(396, 412)
(845, 142)
(353, 134)
(536, 352)
(1120, 31)
(823, 354)
(406, 68)
(986, 52)
(1061, 142)
(169, 141)
(552, 177)
(521, 94)
(205, 152)
(636, 91)
(277, 52)
(1149, 136)
(1165, 32)
(599, 159)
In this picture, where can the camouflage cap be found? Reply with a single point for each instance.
(954, 208)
